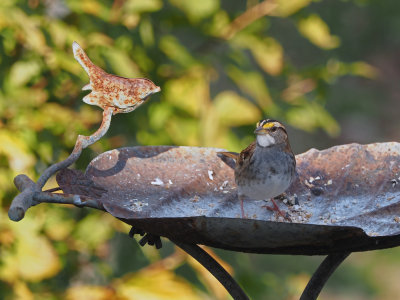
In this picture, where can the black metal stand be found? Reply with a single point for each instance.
(322, 274)
(311, 292)
(215, 269)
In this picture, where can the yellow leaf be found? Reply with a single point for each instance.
(23, 71)
(146, 32)
(219, 22)
(30, 31)
(155, 283)
(361, 68)
(269, 55)
(207, 278)
(90, 292)
(98, 39)
(24, 97)
(267, 52)
(234, 110)
(253, 84)
(297, 88)
(57, 225)
(22, 292)
(96, 8)
(121, 63)
(33, 257)
(197, 10)
(297, 283)
(139, 6)
(317, 32)
(189, 93)
(183, 131)
(286, 8)
(310, 116)
(212, 134)
(15, 149)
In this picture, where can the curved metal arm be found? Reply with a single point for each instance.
(31, 193)
(82, 142)
(322, 274)
(215, 269)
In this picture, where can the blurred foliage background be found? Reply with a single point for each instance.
(328, 69)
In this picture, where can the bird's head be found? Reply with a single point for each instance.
(270, 132)
(146, 88)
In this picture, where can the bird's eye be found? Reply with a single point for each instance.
(273, 129)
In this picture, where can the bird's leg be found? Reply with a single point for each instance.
(241, 206)
(275, 208)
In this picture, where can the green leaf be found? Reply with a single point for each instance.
(176, 51)
(93, 230)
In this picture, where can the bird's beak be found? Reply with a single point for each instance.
(260, 130)
(156, 90)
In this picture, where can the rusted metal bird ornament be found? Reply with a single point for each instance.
(121, 94)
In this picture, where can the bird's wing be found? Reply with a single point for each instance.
(233, 155)
(247, 153)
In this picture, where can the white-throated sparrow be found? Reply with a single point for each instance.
(266, 168)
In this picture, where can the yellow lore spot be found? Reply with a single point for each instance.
(269, 125)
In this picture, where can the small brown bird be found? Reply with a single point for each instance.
(120, 93)
(266, 168)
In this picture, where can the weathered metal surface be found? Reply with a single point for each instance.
(75, 182)
(108, 90)
(348, 198)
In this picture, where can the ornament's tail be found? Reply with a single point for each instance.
(84, 61)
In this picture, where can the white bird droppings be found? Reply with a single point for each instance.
(157, 181)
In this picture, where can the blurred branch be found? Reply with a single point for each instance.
(245, 19)
(322, 274)
(249, 16)
(214, 268)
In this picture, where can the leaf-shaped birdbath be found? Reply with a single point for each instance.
(346, 198)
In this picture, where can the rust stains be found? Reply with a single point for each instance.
(121, 94)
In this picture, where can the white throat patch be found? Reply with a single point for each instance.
(265, 140)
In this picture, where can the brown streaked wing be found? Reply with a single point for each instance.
(246, 153)
(233, 155)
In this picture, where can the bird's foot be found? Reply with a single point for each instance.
(148, 238)
(275, 208)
